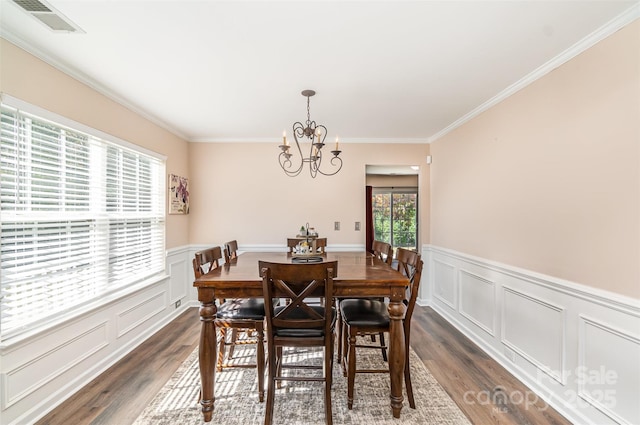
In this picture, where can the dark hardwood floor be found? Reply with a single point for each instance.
(483, 390)
(119, 395)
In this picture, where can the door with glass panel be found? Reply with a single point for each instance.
(395, 216)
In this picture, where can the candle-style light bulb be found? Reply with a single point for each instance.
(336, 142)
(284, 138)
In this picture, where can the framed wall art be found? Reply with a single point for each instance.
(178, 194)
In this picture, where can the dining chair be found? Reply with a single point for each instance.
(231, 253)
(300, 323)
(365, 316)
(321, 245)
(384, 252)
(230, 250)
(292, 243)
(239, 314)
(207, 260)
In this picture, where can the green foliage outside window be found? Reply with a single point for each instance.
(395, 218)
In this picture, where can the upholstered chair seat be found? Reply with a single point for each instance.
(365, 312)
(300, 332)
(242, 308)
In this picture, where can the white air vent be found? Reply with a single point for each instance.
(46, 14)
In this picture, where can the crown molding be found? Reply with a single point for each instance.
(606, 30)
(276, 140)
(86, 80)
(601, 33)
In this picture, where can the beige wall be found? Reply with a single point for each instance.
(237, 190)
(549, 180)
(240, 192)
(28, 78)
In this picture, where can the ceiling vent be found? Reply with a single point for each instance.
(46, 14)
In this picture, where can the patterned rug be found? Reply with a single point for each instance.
(301, 403)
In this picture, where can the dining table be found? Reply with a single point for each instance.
(359, 275)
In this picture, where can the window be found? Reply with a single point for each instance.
(81, 216)
(395, 216)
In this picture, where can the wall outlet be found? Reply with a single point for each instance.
(357, 225)
(178, 303)
(336, 225)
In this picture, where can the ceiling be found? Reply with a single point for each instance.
(384, 71)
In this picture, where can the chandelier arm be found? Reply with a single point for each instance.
(336, 159)
(285, 163)
(285, 156)
(314, 162)
(298, 130)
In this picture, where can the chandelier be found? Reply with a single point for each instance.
(315, 134)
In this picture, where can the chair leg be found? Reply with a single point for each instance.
(339, 329)
(351, 369)
(232, 345)
(407, 382)
(271, 388)
(260, 360)
(384, 350)
(407, 373)
(278, 367)
(221, 347)
(345, 348)
(328, 362)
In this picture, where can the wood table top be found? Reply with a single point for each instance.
(359, 273)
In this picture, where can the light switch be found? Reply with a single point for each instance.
(357, 225)
(336, 225)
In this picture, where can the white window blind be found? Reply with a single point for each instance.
(80, 217)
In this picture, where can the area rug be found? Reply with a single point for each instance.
(301, 403)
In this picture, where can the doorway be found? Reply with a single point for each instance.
(392, 205)
(395, 216)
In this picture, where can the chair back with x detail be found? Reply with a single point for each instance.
(300, 323)
(321, 245)
(383, 251)
(206, 260)
(230, 250)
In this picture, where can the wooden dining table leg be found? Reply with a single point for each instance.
(207, 351)
(396, 349)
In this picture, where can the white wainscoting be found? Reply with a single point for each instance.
(576, 347)
(44, 368)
